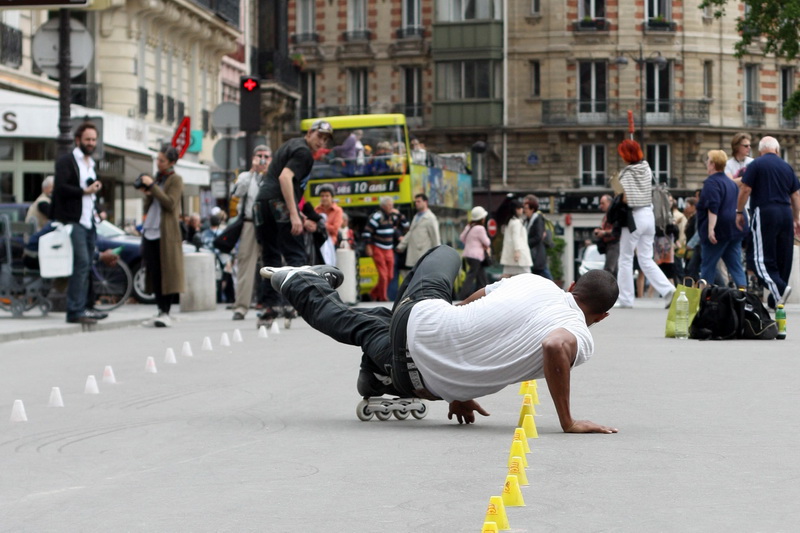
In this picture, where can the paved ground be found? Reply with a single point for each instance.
(262, 436)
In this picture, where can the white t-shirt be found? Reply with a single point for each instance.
(86, 170)
(465, 352)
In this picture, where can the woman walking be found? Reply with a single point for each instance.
(516, 256)
(476, 245)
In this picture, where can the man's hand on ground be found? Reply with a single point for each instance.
(465, 411)
(586, 426)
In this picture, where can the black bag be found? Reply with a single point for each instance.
(487, 259)
(726, 313)
(226, 241)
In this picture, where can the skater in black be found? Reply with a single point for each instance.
(427, 348)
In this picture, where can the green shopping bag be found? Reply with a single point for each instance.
(692, 291)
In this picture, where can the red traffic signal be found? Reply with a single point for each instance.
(249, 103)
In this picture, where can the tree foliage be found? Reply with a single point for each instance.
(772, 24)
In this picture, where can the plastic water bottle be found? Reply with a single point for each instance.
(780, 318)
(682, 316)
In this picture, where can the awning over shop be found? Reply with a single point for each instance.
(194, 173)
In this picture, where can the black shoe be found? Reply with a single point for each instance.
(238, 316)
(81, 318)
(94, 313)
(331, 274)
(278, 275)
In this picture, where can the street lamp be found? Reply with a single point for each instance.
(660, 62)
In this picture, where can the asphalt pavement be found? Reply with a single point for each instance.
(262, 435)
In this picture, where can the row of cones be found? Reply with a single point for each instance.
(18, 413)
(496, 518)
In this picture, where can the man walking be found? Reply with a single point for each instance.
(74, 194)
(248, 251)
(279, 226)
(39, 210)
(774, 192)
(517, 329)
(422, 235)
(608, 237)
(382, 227)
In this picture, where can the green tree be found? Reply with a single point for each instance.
(774, 24)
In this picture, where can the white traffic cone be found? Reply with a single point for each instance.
(223, 341)
(55, 398)
(18, 412)
(169, 357)
(237, 336)
(150, 366)
(262, 332)
(207, 345)
(274, 329)
(187, 349)
(108, 375)
(91, 386)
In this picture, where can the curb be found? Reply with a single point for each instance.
(69, 329)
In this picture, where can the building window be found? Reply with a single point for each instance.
(460, 10)
(308, 94)
(787, 88)
(357, 93)
(10, 39)
(306, 17)
(159, 113)
(753, 109)
(658, 81)
(658, 157)
(593, 165)
(658, 9)
(592, 91)
(411, 14)
(464, 80)
(594, 9)
(536, 79)
(536, 7)
(412, 91)
(170, 110)
(356, 15)
(708, 79)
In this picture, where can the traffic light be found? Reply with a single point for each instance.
(249, 103)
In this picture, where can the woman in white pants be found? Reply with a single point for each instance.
(637, 184)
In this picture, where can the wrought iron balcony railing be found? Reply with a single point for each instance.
(615, 112)
(10, 46)
(754, 113)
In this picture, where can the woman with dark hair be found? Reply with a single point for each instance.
(637, 183)
(476, 245)
(515, 256)
(162, 252)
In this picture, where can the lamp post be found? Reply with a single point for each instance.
(660, 62)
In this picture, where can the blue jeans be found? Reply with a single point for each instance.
(730, 252)
(83, 240)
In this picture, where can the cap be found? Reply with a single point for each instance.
(322, 126)
(478, 213)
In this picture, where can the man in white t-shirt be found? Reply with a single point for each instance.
(517, 329)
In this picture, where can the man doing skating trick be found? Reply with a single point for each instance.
(517, 329)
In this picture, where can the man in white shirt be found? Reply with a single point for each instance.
(515, 330)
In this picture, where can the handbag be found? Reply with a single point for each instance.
(693, 291)
(487, 259)
(55, 252)
(226, 241)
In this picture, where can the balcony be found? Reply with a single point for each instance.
(590, 25)
(615, 112)
(411, 32)
(86, 94)
(299, 38)
(467, 40)
(754, 113)
(410, 43)
(792, 123)
(227, 10)
(277, 67)
(659, 24)
(10, 46)
(357, 36)
(467, 113)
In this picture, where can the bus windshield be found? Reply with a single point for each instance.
(367, 151)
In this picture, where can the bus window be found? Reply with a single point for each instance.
(368, 151)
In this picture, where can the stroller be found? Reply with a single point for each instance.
(21, 287)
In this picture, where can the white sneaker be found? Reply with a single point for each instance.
(786, 292)
(150, 322)
(162, 321)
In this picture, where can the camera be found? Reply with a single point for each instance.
(90, 182)
(138, 184)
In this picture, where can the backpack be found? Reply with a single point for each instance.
(726, 313)
(662, 207)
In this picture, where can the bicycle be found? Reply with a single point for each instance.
(112, 285)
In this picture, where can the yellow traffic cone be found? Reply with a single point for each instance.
(534, 392)
(517, 451)
(512, 495)
(489, 527)
(530, 427)
(516, 468)
(497, 513)
(527, 408)
(523, 387)
(519, 434)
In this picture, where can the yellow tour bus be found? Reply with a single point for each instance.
(369, 157)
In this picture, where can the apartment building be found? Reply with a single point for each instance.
(153, 63)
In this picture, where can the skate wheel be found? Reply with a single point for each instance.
(401, 415)
(287, 323)
(380, 415)
(362, 411)
(420, 413)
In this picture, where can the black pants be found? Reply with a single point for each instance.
(380, 334)
(476, 278)
(151, 255)
(274, 233)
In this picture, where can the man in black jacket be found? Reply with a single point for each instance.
(74, 194)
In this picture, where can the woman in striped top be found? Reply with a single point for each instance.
(637, 184)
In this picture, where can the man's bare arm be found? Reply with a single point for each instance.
(560, 348)
(477, 295)
(287, 189)
(795, 198)
(744, 194)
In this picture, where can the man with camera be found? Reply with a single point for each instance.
(74, 194)
(247, 185)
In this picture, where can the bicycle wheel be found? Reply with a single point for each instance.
(112, 285)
